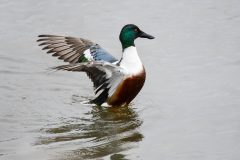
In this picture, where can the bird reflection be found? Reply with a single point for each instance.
(102, 132)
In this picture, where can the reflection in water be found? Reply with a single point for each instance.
(102, 132)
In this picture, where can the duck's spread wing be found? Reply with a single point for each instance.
(105, 77)
(74, 50)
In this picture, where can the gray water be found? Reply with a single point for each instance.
(189, 108)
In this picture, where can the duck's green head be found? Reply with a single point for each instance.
(129, 33)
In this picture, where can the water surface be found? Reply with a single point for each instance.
(188, 108)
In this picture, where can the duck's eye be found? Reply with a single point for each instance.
(136, 30)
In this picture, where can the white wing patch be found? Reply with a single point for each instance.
(88, 55)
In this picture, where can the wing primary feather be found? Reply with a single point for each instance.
(49, 35)
(68, 54)
(73, 58)
(57, 50)
(55, 45)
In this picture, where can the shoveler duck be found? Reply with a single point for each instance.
(116, 82)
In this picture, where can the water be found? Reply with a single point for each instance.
(188, 108)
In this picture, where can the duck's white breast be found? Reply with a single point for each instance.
(131, 62)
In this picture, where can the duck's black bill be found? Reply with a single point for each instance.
(145, 35)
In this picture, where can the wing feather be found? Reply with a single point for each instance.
(70, 49)
(104, 75)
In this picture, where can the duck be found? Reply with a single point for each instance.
(116, 82)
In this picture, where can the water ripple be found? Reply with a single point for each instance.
(102, 132)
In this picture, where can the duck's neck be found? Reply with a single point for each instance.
(131, 61)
